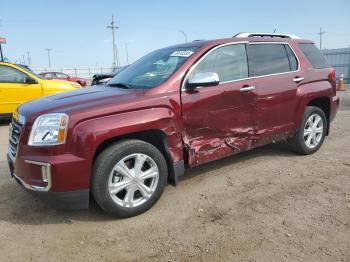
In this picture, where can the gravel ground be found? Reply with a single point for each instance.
(265, 205)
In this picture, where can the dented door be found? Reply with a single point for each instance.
(220, 120)
(275, 68)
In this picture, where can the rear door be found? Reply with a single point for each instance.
(220, 120)
(14, 90)
(276, 70)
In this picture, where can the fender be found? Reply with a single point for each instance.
(308, 92)
(88, 135)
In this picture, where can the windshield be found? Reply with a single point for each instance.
(153, 69)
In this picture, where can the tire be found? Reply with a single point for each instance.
(299, 143)
(117, 190)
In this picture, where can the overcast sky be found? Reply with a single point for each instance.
(77, 30)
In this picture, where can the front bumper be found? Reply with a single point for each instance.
(42, 188)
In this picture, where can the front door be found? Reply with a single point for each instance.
(14, 90)
(220, 120)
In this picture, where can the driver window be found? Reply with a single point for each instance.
(229, 62)
(11, 75)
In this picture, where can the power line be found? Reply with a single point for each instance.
(114, 27)
(320, 34)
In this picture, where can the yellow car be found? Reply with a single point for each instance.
(19, 85)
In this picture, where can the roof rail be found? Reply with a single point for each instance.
(266, 35)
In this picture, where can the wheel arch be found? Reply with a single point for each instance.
(154, 137)
(324, 104)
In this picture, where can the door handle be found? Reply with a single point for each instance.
(247, 88)
(298, 79)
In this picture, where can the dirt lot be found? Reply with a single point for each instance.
(265, 205)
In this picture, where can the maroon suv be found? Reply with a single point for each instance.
(175, 108)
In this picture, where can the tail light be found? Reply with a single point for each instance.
(333, 80)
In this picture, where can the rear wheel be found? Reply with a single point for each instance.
(128, 178)
(311, 133)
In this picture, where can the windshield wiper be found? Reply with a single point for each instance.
(121, 85)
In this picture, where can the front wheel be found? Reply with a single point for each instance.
(311, 133)
(128, 178)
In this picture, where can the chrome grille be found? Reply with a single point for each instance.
(15, 133)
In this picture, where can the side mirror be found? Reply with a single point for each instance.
(203, 79)
(30, 80)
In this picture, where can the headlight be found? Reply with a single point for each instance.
(49, 130)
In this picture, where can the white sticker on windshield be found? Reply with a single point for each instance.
(182, 53)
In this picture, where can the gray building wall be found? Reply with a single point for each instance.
(340, 60)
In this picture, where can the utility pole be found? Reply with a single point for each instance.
(48, 54)
(114, 27)
(321, 33)
(185, 35)
(127, 52)
(28, 57)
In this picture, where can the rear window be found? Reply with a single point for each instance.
(314, 56)
(267, 59)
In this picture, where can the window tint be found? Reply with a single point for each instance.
(315, 57)
(292, 59)
(229, 62)
(11, 75)
(266, 59)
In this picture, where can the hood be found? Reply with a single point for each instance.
(89, 102)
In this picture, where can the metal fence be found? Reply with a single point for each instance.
(340, 60)
(86, 73)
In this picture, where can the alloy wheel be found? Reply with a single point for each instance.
(313, 131)
(133, 180)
